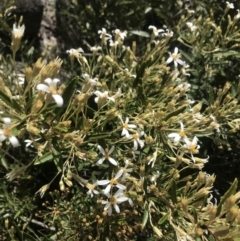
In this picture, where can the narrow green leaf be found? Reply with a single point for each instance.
(10, 102)
(140, 33)
(46, 157)
(145, 218)
(230, 191)
(163, 219)
(173, 192)
(194, 212)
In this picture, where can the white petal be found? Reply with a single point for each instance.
(104, 202)
(188, 143)
(116, 208)
(181, 62)
(7, 121)
(169, 60)
(55, 81)
(107, 189)
(43, 87)
(110, 210)
(132, 126)
(175, 50)
(102, 182)
(14, 141)
(121, 199)
(119, 174)
(107, 206)
(111, 150)
(194, 141)
(58, 99)
(112, 161)
(2, 137)
(96, 99)
(100, 161)
(120, 117)
(141, 143)
(101, 150)
(135, 145)
(130, 202)
(175, 136)
(125, 133)
(111, 98)
(48, 81)
(182, 127)
(121, 186)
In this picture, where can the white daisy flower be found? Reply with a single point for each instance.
(153, 159)
(191, 26)
(155, 30)
(176, 137)
(114, 200)
(103, 33)
(75, 52)
(112, 183)
(136, 139)
(126, 171)
(101, 96)
(18, 31)
(106, 156)
(91, 189)
(120, 34)
(230, 5)
(91, 81)
(51, 88)
(175, 58)
(154, 177)
(30, 142)
(192, 146)
(126, 127)
(6, 133)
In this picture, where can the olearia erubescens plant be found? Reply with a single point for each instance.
(122, 140)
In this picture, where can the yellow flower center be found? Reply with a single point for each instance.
(7, 132)
(182, 133)
(112, 200)
(113, 182)
(193, 149)
(52, 90)
(135, 136)
(125, 125)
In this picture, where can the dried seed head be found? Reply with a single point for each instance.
(211, 211)
(62, 186)
(232, 214)
(230, 202)
(184, 204)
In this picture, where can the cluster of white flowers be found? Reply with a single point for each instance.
(129, 131)
(119, 37)
(191, 146)
(111, 185)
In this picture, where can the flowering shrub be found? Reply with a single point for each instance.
(115, 152)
